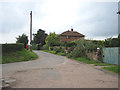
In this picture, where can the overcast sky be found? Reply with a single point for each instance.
(96, 20)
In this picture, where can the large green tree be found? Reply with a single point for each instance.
(112, 42)
(22, 39)
(52, 39)
(40, 37)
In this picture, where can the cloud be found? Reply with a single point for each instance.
(98, 19)
(94, 19)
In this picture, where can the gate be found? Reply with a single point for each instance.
(111, 55)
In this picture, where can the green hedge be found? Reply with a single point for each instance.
(12, 47)
(34, 46)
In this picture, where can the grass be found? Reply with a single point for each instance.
(18, 56)
(115, 69)
(53, 52)
(86, 60)
(62, 54)
(102, 64)
(49, 51)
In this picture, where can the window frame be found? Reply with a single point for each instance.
(68, 37)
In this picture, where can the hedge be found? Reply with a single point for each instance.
(12, 47)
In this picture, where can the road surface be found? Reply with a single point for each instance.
(53, 71)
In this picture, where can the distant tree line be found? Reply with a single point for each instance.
(109, 42)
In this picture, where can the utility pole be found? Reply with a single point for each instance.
(30, 30)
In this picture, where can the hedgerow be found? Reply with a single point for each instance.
(12, 47)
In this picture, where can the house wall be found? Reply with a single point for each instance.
(72, 38)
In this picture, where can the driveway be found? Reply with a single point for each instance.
(53, 71)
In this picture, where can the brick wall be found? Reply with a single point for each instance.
(72, 38)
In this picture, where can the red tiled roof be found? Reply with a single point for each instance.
(72, 33)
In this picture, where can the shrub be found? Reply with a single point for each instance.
(34, 46)
(88, 45)
(12, 47)
(45, 47)
(70, 44)
(77, 52)
(71, 49)
(50, 48)
(58, 49)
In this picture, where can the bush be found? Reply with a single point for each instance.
(34, 46)
(45, 47)
(71, 49)
(12, 47)
(58, 49)
(77, 52)
(68, 44)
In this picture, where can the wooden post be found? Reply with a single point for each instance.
(31, 31)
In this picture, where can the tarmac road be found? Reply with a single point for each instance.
(53, 71)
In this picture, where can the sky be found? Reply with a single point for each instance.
(96, 20)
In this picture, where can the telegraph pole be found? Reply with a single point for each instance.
(30, 30)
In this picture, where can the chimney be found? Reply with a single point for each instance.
(71, 29)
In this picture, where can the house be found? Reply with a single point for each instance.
(71, 35)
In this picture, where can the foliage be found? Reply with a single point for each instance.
(34, 46)
(119, 40)
(58, 49)
(68, 44)
(88, 45)
(22, 39)
(77, 52)
(52, 40)
(18, 56)
(71, 49)
(81, 48)
(40, 37)
(101, 43)
(12, 47)
(112, 42)
(45, 47)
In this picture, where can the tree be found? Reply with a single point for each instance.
(52, 40)
(40, 37)
(22, 39)
(112, 42)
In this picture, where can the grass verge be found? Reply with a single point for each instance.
(53, 52)
(18, 56)
(95, 62)
(115, 69)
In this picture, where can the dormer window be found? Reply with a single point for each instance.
(67, 37)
